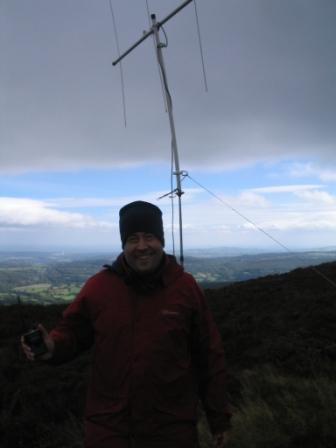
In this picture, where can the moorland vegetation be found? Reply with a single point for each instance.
(280, 339)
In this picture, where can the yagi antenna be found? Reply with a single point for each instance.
(154, 30)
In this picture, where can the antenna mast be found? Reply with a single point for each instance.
(154, 30)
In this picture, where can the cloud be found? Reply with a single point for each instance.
(271, 77)
(95, 202)
(301, 170)
(286, 188)
(21, 212)
(206, 222)
(317, 197)
(25, 212)
(304, 219)
(251, 198)
(297, 222)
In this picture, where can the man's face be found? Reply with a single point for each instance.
(143, 252)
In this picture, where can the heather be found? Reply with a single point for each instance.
(280, 340)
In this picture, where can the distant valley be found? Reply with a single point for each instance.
(55, 277)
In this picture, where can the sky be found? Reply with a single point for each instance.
(258, 145)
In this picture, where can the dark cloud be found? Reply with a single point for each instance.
(270, 67)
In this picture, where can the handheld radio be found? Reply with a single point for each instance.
(32, 336)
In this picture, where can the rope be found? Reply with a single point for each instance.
(317, 271)
(120, 65)
(160, 75)
(169, 100)
(165, 83)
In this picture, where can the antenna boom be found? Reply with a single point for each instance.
(173, 13)
(151, 31)
(138, 42)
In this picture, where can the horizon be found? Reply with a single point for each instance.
(221, 251)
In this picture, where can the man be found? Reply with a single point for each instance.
(156, 348)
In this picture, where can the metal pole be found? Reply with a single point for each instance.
(177, 172)
(155, 31)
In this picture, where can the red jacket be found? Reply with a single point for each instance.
(156, 352)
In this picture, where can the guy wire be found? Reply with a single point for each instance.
(200, 46)
(120, 65)
(317, 271)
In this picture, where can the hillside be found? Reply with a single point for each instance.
(286, 320)
(280, 339)
(48, 278)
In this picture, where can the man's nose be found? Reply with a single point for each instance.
(142, 243)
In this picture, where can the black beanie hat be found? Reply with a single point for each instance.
(140, 216)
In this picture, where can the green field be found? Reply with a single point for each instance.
(37, 288)
(42, 293)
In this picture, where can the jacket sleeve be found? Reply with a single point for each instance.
(208, 355)
(74, 333)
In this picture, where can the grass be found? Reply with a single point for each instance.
(285, 412)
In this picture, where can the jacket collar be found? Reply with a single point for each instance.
(168, 271)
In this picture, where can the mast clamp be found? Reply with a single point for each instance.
(171, 194)
(181, 173)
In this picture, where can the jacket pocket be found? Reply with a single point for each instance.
(177, 399)
(172, 351)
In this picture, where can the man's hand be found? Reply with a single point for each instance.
(220, 440)
(48, 342)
